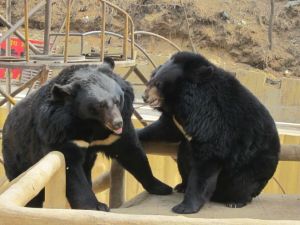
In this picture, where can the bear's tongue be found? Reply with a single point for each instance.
(118, 131)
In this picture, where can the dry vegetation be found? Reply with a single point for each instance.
(237, 29)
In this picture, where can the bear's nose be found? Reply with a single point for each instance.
(117, 123)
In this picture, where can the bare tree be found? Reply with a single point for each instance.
(188, 27)
(271, 25)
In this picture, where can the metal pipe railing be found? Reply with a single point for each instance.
(21, 21)
(102, 36)
(48, 10)
(128, 21)
(112, 34)
(67, 30)
(26, 30)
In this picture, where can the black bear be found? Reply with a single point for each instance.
(85, 109)
(229, 145)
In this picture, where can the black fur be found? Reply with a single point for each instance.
(77, 105)
(234, 148)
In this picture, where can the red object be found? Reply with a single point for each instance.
(17, 50)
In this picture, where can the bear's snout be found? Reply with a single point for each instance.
(114, 120)
(117, 123)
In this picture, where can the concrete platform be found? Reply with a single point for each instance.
(264, 207)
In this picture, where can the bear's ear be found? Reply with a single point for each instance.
(201, 74)
(110, 62)
(61, 92)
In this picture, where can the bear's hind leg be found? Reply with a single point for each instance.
(237, 191)
(183, 163)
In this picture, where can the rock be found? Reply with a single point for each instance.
(85, 19)
(224, 15)
(83, 9)
(292, 3)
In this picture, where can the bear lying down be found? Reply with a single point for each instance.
(85, 109)
(229, 145)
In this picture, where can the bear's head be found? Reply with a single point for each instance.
(165, 79)
(92, 94)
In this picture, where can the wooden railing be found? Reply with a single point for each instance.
(49, 173)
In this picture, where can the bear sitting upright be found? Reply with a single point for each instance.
(85, 109)
(229, 145)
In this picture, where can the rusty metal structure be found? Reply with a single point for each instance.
(42, 61)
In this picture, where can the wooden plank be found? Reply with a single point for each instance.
(288, 152)
(7, 96)
(102, 182)
(58, 65)
(117, 188)
(265, 207)
(292, 129)
(132, 42)
(55, 190)
(36, 177)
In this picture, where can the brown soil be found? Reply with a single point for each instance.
(237, 30)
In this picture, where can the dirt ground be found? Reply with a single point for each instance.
(236, 31)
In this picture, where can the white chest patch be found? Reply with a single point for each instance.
(108, 141)
(181, 129)
(81, 143)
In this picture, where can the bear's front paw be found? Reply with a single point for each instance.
(187, 208)
(180, 188)
(159, 188)
(102, 207)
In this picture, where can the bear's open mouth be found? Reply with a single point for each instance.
(115, 130)
(155, 103)
(153, 97)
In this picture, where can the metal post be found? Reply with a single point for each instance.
(103, 32)
(8, 53)
(26, 30)
(132, 41)
(48, 10)
(67, 30)
(81, 44)
(8, 18)
(125, 40)
(117, 186)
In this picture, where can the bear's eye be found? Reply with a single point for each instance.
(116, 101)
(93, 110)
(102, 104)
(158, 84)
